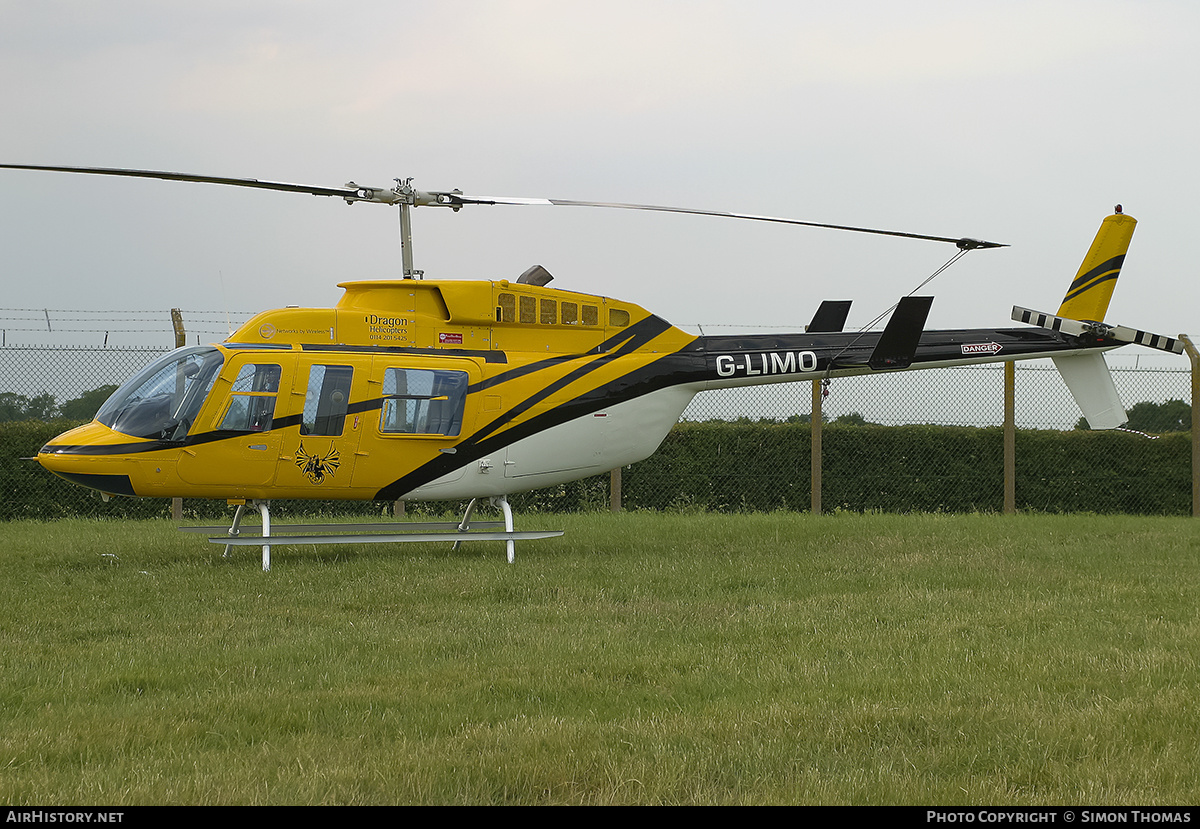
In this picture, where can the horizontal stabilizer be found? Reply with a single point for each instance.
(830, 317)
(1118, 333)
(898, 343)
(1158, 341)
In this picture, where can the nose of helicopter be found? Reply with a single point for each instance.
(91, 455)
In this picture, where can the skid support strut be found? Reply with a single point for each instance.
(465, 524)
(498, 501)
(264, 509)
(233, 529)
(502, 502)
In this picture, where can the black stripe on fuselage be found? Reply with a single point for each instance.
(686, 366)
(110, 484)
(660, 374)
(635, 338)
(638, 334)
(487, 355)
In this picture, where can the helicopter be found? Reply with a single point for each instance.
(473, 390)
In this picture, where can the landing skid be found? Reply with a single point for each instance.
(392, 532)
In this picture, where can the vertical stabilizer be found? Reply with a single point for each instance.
(830, 317)
(1087, 376)
(898, 343)
(1087, 298)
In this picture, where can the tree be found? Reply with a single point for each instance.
(15, 406)
(84, 406)
(1172, 416)
(1156, 418)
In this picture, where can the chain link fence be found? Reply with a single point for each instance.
(929, 440)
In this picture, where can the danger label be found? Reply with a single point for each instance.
(982, 348)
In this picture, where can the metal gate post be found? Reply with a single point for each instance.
(815, 428)
(1194, 357)
(1010, 437)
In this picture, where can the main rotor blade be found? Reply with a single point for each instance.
(404, 194)
(238, 182)
(964, 243)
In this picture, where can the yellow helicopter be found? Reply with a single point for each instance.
(467, 390)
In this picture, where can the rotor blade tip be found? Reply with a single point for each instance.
(977, 244)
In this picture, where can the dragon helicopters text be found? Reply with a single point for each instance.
(468, 390)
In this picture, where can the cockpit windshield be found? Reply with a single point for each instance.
(162, 401)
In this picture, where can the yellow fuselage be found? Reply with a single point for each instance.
(442, 389)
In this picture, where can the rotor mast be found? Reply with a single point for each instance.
(406, 243)
(406, 197)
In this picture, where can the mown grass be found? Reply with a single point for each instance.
(642, 658)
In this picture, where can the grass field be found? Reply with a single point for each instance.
(676, 659)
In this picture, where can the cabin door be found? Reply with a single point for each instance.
(322, 455)
(422, 403)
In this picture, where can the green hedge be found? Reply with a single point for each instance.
(715, 465)
(720, 466)
(1104, 472)
(765, 466)
(28, 491)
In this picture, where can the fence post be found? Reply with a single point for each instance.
(815, 424)
(177, 324)
(1194, 357)
(1010, 437)
(614, 490)
(180, 342)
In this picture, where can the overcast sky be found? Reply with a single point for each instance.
(1021, 122)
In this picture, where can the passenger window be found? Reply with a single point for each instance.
(327, 400)
(423, 402)
(570, 313)
(618, 318)
(549, 312)
(506, 309)
(528, 308)
(252, 399)
(591, 315)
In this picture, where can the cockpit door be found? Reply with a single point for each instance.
(240, 446)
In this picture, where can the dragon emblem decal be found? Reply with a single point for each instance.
(317, 468)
